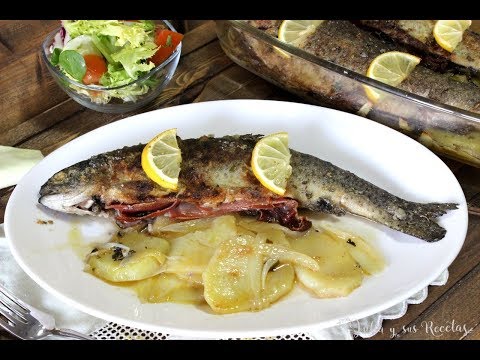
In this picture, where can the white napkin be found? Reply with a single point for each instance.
(18, 283)
(16, 162)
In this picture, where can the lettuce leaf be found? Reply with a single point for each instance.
(106, 45)
(135, 33)
(115, 76)
(134, 59)
(86, 27)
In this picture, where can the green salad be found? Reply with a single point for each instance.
(113, 54)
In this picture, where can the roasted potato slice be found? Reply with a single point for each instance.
(130, 256)
(279, 282)
(276, 233)
(190, 253)
(272, 234)
(168, 288)
(111, 265)
(338, 273)
(163, 225)
(233, 279)
(370, 259)
(142, 241)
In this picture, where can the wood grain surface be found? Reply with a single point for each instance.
(37, 114)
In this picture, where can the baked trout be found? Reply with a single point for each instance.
(216, 178)
(352, 47)
(345, 44)
(417, 35)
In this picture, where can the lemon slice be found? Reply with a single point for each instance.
(161, 159)
(449, 33)
(295, 31)
(271, 162)
(390, 68)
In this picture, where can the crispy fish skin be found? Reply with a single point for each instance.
(417, 35)
(115, 176)
(334, 190)
(213, 171)
(217, 170)
(347, 45)
(216, 173)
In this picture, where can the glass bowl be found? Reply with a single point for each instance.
(105, 99)
(445, 129)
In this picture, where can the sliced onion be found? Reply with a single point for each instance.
(289, 256)
(266, 268)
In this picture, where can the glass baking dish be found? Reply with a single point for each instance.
(445, 129)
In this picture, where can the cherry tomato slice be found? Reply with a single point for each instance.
(96, 67)
(168, 42)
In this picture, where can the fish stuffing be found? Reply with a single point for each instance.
(216, 178)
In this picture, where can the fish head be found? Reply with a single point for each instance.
(70, 191)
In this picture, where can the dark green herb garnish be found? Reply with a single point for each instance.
(73, 63)
(349, 241)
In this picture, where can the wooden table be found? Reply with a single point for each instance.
(37, 114)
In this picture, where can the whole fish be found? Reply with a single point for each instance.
(345, 44)
(216, 178)
(417, 35)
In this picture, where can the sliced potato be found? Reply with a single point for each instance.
(272, 232)
(190, 253)
(166, 225)
(135, 266)
(130, 256)
(244, 231)
(168, 288)
(233, 278)
(275, 236)
(338, 273)
(279, 282)
(264, 227)
(370, 259)
(313, 243)
(192, 278)
(142, 241)
(232, 262)
(223, 227)
(330, 282)
(159, 223)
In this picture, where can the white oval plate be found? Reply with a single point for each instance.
(372, 151)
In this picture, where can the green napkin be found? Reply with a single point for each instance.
(15, 162)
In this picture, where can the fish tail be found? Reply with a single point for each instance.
(420, 220)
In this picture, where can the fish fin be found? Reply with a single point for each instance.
(421, 220)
